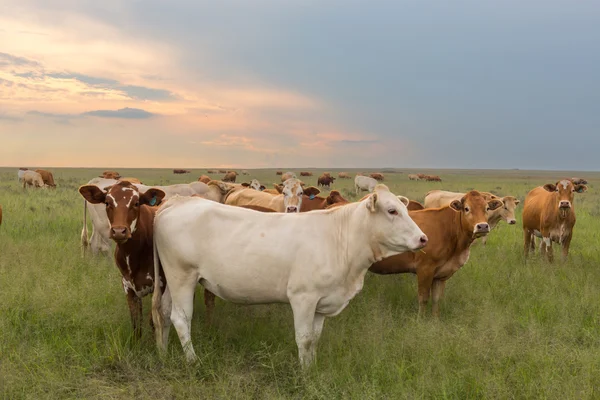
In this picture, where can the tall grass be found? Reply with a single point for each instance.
(509, 329)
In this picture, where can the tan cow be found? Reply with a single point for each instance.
(344, 175)
(32, 178)
(441, 198)
(288, 175)
(450, 230)
(230, 176)
(110, 175)
(414, 177)
(288, 200)
(549, 213)
(204, 178)
(47, 177)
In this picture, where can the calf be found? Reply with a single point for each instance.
(131, 216)
(549, 214)
(450, 230)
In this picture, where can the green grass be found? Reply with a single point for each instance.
(508, 329)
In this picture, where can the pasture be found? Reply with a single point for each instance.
(508, 329)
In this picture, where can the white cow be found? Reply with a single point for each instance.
(364, 183)
(100, 240)
(314, 261)
(32, 178)
(20, 174)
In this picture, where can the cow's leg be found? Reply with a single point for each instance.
(318, 323)
(565, 246)
(209, 303)
(425, 279)
(165, 309)
(437, 291)
(548, 248)
(135, 310)
(182, 297)
(527, 242)
(303, 309)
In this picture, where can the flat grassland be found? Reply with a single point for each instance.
(508, 329)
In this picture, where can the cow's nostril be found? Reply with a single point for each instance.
(423, 239)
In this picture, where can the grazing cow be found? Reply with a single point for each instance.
(278, 172)
(32, 178)
(450, 230)
(110, 175)
(230, 176)
(414, 177)
(579, 181)
(254, 184)
(549, 214)
(245, 172)
(181, 171)
(344, 175)
(250, 257)
(100, 238)
(364, 183)
(414, 206)
(289, 199)
(47, 177)
(131, 180)
(312, 202)
(211, 171)
(421, 176)
(130, 215)
(20, 173)
(204, 178)
(325, 180)
(377, 176)
(288, 175)
(222, 171)
(433, 178)
(306, 173)
(441, 198)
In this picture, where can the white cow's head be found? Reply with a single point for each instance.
(292, 191)
(393, 229)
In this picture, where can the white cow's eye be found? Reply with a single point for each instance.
(393, 211)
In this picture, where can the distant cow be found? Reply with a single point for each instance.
(344, 175)
(204, 179)
(377, 176)
(211, 171)
(278, 172)
(288, 175)
(47, 177)
(20, 173)
(421, 176)
(433, 178)
(110, 175)
(579, 181)
(325, 180)
(245, 172)
(289, 199)
(549, 213)
(306, 173)
(364, 183)
(254, 184)
(222, 171)
(414, 177)
(230, 176)
(32, 178)
(181, 171)
(450, 230)
(131, 180)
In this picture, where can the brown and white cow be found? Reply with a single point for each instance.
(131, 216)
(450, 230)
(47, 177)
(230, 176)
(313, 202)
(110, 175)
(288, 200)
(549, 213)
(325, 180)
(377, 176)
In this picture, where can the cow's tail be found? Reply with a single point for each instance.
(157, 314)
(84, 233)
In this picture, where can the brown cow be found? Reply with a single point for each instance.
(278, 172)
(325, 180)
(450, 230)
(222, 171)
(230, 176)
(312, 202)
(211, 171)
(131, 216)
(433, 178)
(47, 177)
(549, 214)
(306, 173)
(344, 175)
(181, 171)
(378, 176)
(204, 179)
(110, 175)
(131, 180)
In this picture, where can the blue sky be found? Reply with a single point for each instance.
(265, 83)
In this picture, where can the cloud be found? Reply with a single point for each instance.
(123, 113)
(9, 59)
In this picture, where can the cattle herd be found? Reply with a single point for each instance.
(237, 241)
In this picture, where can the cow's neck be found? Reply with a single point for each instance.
(464, 237)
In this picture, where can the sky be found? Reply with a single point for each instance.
(300, 83)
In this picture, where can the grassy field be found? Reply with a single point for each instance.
(508, 329)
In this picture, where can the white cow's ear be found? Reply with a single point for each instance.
(371, 202)
(404, 200)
